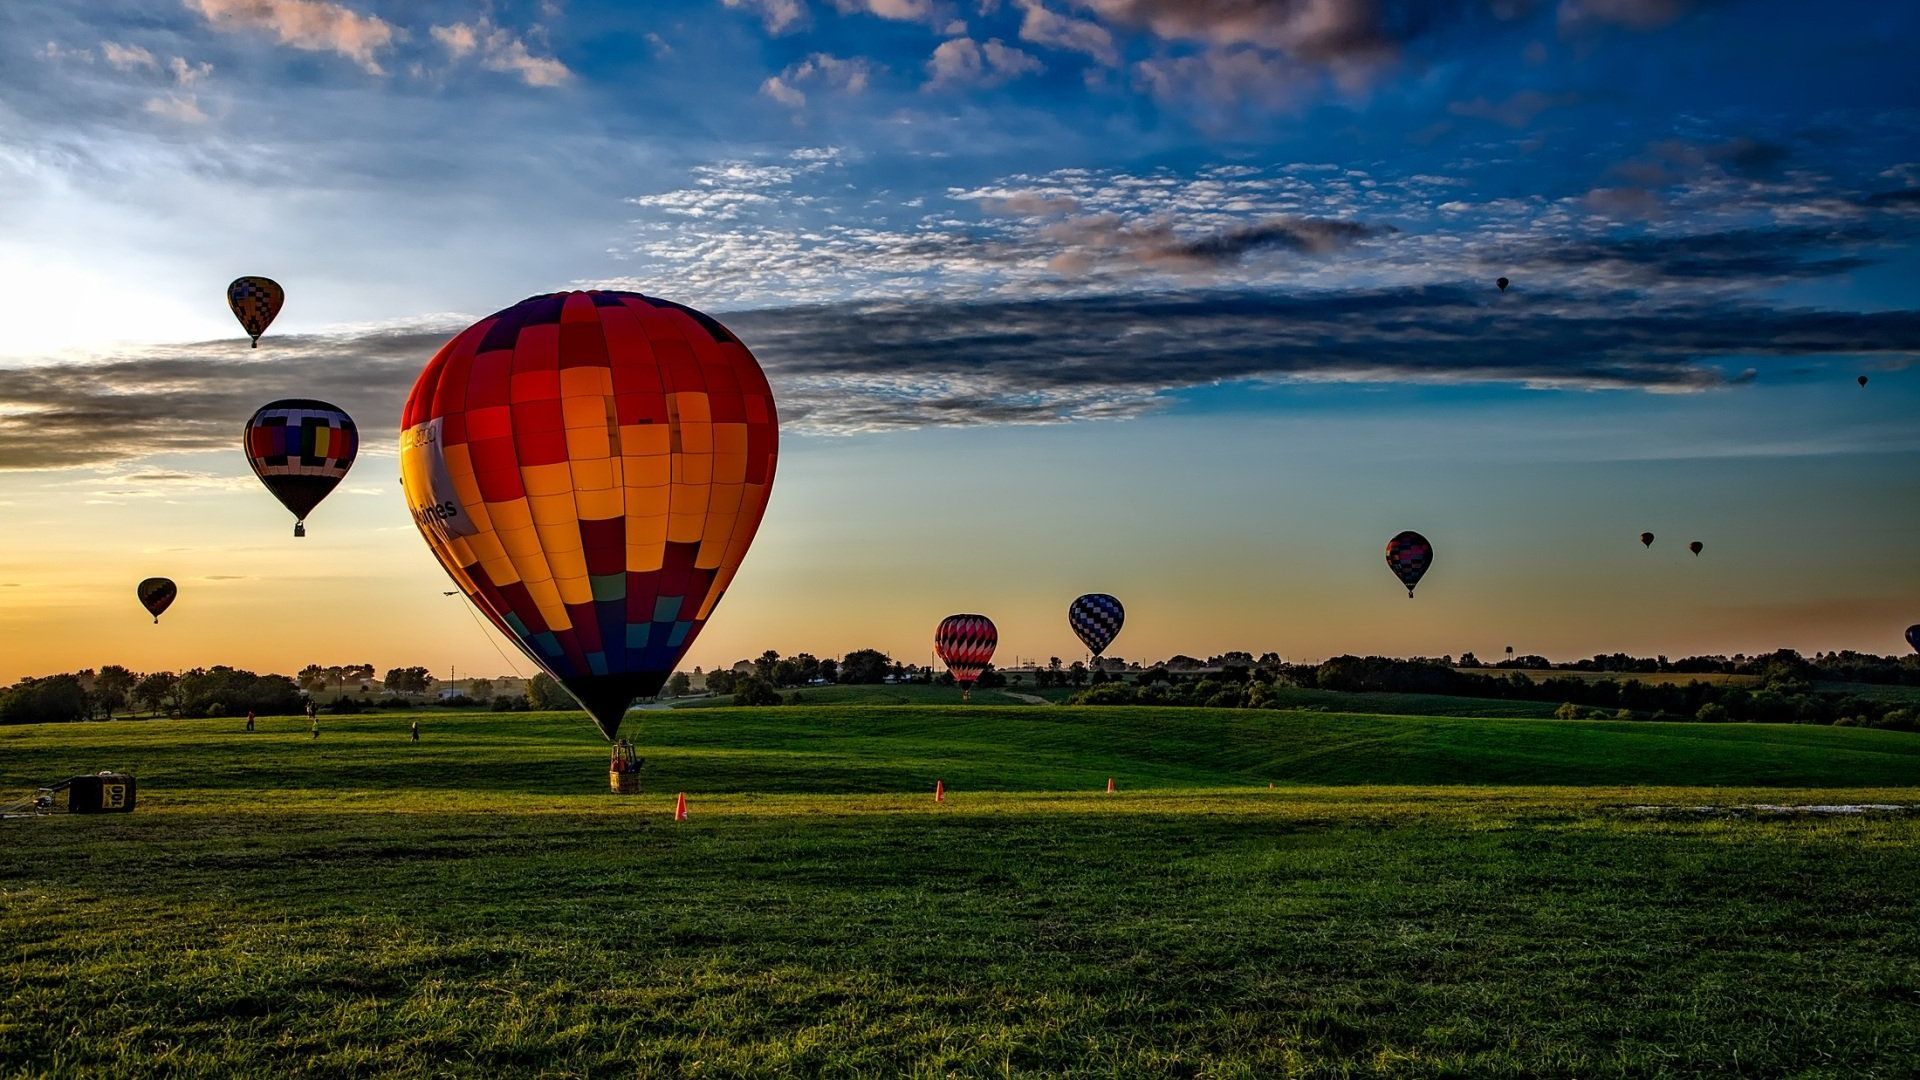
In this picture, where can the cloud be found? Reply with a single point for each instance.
(965, 62)
(500, 50)
(1219, 79)
(864, 366)
(899, 10)
(1741, 258)
(1631, 14)
(197, 397)
(1516, 111)
(128, 57)
(185, 74)
(777, 15)
(1043, 26)
(1106, 241)
(832, 72)
(1322, 31)
(183, 108)
(311, 25)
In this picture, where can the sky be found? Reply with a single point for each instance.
(1189, 301)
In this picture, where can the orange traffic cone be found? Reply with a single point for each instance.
(680, 808)
(939, 791)
(1109, 785)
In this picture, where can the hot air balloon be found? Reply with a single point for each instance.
(1913, 636)
(301, 449)
(1696, 547)
(1646, 539)
(1502, 282)
(965, 643)
(1863, 380)
(156, 595)
(1096, 618)
(255, 301)
(589, 467)
(1408, 556)
(1509, 650)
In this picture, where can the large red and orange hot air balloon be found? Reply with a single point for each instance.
(590, 468)
(965, 644)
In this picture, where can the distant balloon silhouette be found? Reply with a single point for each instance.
(1502, 282)
(300, 449)
(1096, 618)
(1646, 539)
(1408, 556)
(1863, 380)
(156, 595)
(1509, 650)
(589, 468)
(1696, 547)
(965, 644)
(255, 301)
(1913, 636)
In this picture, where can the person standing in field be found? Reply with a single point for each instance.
(416, 731)
(249, 719)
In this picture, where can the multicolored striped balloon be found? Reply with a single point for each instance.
(965, 644)
(1096, 618)
(589, 467)
(1408, 556)
(301, 449)
(156, 595)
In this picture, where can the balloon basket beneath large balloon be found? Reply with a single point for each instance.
(623, 771)
(299, 529)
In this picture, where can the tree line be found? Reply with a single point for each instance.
(1787, 691)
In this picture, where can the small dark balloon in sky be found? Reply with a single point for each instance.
(1502, 282)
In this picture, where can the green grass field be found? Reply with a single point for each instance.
(1417, 897)
(897, 694)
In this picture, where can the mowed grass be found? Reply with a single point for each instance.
(895, 694)
(1417, 897)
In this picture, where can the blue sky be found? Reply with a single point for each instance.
(1229, 258)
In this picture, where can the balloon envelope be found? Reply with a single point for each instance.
(1696, 547)
(1096, 619)
(255, 301)
(1408, 556)
(1913, 636)
(1646, 539)
(1863, 380)
(965, 644)
(156, 595)
(1502, 282)
(589, 467)
(301, 449)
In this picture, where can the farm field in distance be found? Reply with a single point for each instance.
(1415, 897)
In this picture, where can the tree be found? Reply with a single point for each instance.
(313, 678)
(753, 690)
(480, 689)
(1077, 674)
(158, 691)
(111, 688)
(679, 685)
(544, 693)
(408, 680)
(53, 699)
(865, 666)
(721, 681)
(1711, 713)
(763, 667)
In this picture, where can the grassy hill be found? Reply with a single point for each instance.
(1420, 897)
(896, 749)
